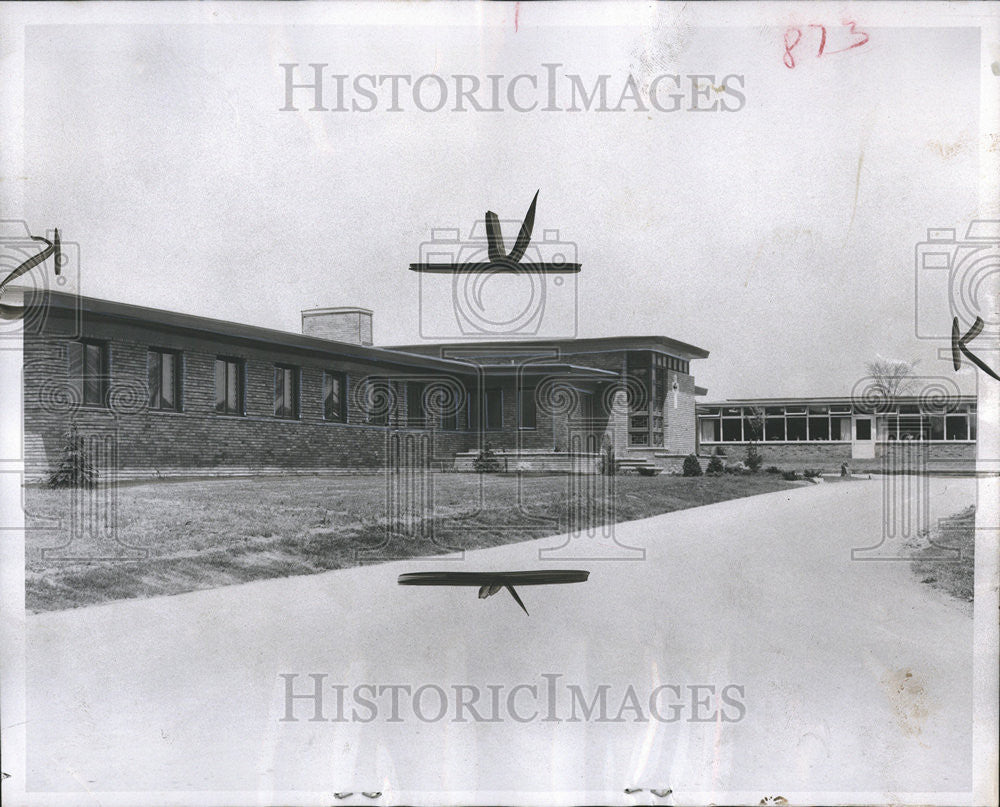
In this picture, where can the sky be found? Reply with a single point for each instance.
(779, 236)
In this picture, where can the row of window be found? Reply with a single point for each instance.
(828, 423)
(88, 374)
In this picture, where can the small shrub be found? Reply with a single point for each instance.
(691, 466)
(790, 476)
(486, 462)
(754, 459)
(76, 468)
(720, 451)
(773, 469)
(608, 463)
(715, 466)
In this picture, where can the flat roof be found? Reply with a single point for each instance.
(597, 344)
(908, 399)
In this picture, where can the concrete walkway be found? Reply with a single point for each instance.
(856, 679)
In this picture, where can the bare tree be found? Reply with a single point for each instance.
(892, 378)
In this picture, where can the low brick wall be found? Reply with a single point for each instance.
(892, 456)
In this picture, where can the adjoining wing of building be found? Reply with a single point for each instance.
(168, 394)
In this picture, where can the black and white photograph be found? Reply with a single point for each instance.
(429, 403)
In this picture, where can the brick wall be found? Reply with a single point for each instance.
(679, 422)
(197, 439)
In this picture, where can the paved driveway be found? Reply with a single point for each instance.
(843, 676)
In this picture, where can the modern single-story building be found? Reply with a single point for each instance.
(168, 394)
(160, 393)
(873, 433)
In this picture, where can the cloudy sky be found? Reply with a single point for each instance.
(779, 236)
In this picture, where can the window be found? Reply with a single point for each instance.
(840, 428)
(286, 392)
(753, 427)
(527, 411)
(710, 432)
(774, 428)
(731, 430)
(494, 409)
(88, 371)
(956, 427)
(449, 419)
(863, 429)
(164, 373)
(796, 428)
(659, 387)
(819, 427)
(229, 386)
(334, 397)
(415, 404)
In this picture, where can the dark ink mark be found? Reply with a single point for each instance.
(630, 790)
(372, 794)
(662, 794)
(958, 347)
(499, 259)
(491, 582)
(342, 795)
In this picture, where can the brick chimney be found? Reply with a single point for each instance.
(352, 325)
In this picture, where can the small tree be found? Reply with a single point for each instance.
(715, 466)
(76, 469)
(755, 419)
(892, 378)
(691, 466)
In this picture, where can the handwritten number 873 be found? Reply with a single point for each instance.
(794, 35)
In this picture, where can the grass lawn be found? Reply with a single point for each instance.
(203, 534)
(952, 576)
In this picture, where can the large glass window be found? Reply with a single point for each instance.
(956, 427)
(164, 377)
(335, 397)
(493, 401)
(711, 431)
(819, 427)
(731, 430)
(229, 386)
(88, 371)
(796, 428)
(774, 428)
(415, 404)
(527, 411)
